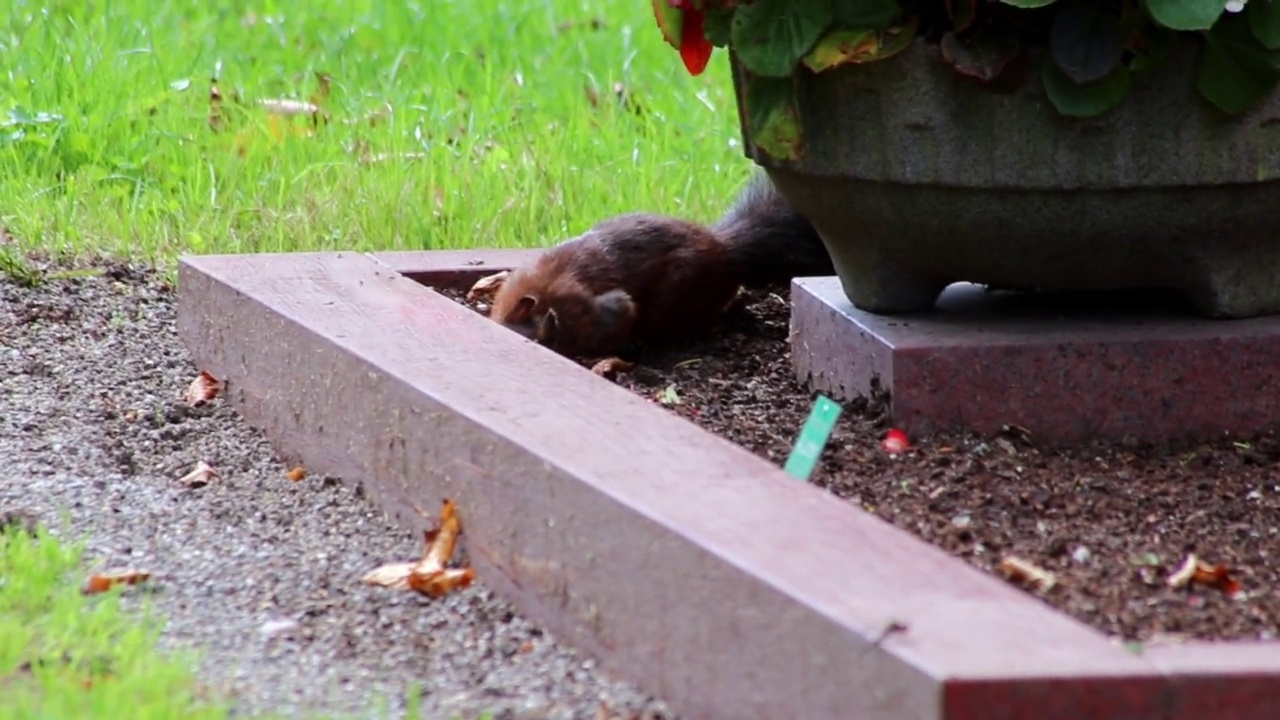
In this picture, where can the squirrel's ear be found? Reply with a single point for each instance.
(550, 329)
(519, 314)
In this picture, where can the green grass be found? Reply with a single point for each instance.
(107, 145)
(68, 656)
(493, 140)
(65, 655)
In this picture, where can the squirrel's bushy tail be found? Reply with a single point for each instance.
(768, 239)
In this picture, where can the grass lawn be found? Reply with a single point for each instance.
(503, 129)
(64, 655)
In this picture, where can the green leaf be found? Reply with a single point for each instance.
(716, 25)
(865, 14)
(843, 47)
(1028, 4)
(770, 36)
(1160, 41)
(1085, 100)
(1186, 14)
(1264, 19)
(670, 21)
(1237, 72)
(1086, 42)
(982, 58)
(772, 117)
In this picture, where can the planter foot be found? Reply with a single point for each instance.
(1241, 289)
(885, 289)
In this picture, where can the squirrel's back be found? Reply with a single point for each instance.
(657, 279)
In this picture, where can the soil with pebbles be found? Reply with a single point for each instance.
(257, 573)
(1111, 520)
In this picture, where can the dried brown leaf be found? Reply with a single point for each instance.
(296, 474)
(323, 81)
(202, 390)
(438, 583)
(1027, 573)
(102, 582)
(429, 575)
(486, 287)
(1197, 571)
(1182, 576)
(199, 476)
(393, 575)
(441, 541)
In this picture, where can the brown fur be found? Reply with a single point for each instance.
(653, 279)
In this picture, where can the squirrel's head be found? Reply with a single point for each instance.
(534, 320)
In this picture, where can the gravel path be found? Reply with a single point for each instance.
(258, 573)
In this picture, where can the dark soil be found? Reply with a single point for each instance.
(1111, 521)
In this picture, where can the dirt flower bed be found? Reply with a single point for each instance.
(1110, 521)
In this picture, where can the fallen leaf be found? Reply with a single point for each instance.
(1027, 573)
(102, 582)
(486, 287)
(611, 366)
(130, 415)
(288, 106)
(429, 575)
(272, 628)
(394, 575)
(895, 442)
(1195, 570)
(200, 476)
(440, 583)
(297, 474)
(202, 390)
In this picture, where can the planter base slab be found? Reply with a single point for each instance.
(682, 562)
(1067, 368)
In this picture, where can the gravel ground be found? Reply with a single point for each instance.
(258, 573)
(1111, 520)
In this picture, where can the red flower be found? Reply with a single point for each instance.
(695, 48)
(681, 23)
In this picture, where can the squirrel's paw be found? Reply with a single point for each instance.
(609, 367)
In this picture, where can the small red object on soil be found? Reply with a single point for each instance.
(895, 442)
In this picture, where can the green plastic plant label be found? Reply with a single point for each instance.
(813, 438)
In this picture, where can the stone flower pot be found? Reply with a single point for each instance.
(917, 177)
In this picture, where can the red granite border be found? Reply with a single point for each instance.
(681, 561)
(1065, 371)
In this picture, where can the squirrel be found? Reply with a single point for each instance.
(649, 279)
